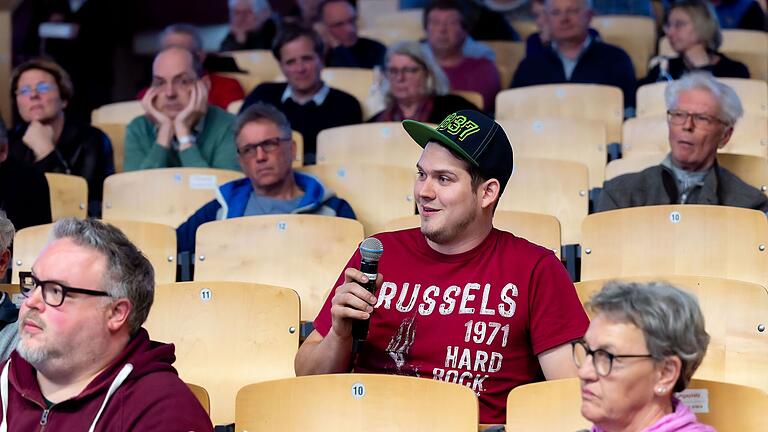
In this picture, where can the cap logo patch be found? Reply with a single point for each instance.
(459, 126)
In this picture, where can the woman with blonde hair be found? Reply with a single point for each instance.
(693, 31)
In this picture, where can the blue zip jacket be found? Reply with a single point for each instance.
(232, 198)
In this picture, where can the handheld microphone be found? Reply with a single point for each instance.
(371, 250)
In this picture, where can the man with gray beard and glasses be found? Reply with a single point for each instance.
(83, 361)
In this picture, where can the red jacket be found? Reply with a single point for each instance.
(148, 396)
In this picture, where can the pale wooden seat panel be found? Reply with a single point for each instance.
(636, 35)
(753, 94)
(117, 112)
(548, 406)
(733, 311)
(354, 81)
(116, 134)
(579, 101)
(544, 230)
(715, 241)
(650, 134)
(163, 195)
(575, 140)
(377, 193)
(156, 241)
(304, 252)
(508, 56)
(553, 187)
(201, 395)
(631, 164)
(68, 194)
(389, 403)
(732, 407)
(384, 143)
(261, 66)
(752, 169)
(227, 335)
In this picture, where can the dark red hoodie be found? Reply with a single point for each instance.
(147, 396)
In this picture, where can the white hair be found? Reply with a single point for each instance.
(256, 5)
(729, 104)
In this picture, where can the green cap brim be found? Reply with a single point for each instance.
(423, 134)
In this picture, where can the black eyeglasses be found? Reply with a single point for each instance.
(704, 121)
(53, 292)
(601, 359)
(268, 145)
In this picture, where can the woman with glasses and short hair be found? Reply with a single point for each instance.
(643, 344)
(415, 87)
(693, 31)
(41, 91)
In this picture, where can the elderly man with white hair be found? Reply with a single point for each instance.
(701, 114)
(251, 26)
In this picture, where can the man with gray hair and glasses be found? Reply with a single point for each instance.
(83, 361)
(8, 311)
(266, 151)
(701, 114)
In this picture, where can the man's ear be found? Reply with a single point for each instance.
(118, 313)
(489, 192)
(206, 80)
(727, 133)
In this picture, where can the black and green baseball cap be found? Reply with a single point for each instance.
(475, 137)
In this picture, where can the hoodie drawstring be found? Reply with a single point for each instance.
(4, 395)
(124, 372)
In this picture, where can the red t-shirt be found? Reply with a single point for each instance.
(478, 318)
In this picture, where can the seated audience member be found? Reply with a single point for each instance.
(83, 361)
(416, 88)
(643, 344)
(740, 14)
(539, 41)
(179, 128)
(623, 7)
(575, 56)
(266, 151)
(338, 27)
(446, 24)
(50, 141)
(692, 30)
(701, 115)
(251, 26)
(28, 201)
(445, 288)
(9, 313)
(222, 90)
(305, 99)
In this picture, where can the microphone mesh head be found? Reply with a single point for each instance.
(371, 249)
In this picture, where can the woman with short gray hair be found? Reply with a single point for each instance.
(693, 31)
(643, 344)
(415, 87)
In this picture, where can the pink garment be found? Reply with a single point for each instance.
(682, 419)
(477, 75)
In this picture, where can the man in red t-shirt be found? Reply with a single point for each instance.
(457, 300)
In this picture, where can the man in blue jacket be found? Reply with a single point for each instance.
(265, 151)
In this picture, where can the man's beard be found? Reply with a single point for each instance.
(33, 355)
(445, 235)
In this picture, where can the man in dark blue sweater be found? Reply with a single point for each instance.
(309, 104)
(575, 56)
(338, 27)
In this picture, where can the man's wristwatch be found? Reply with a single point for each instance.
(187, 139)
